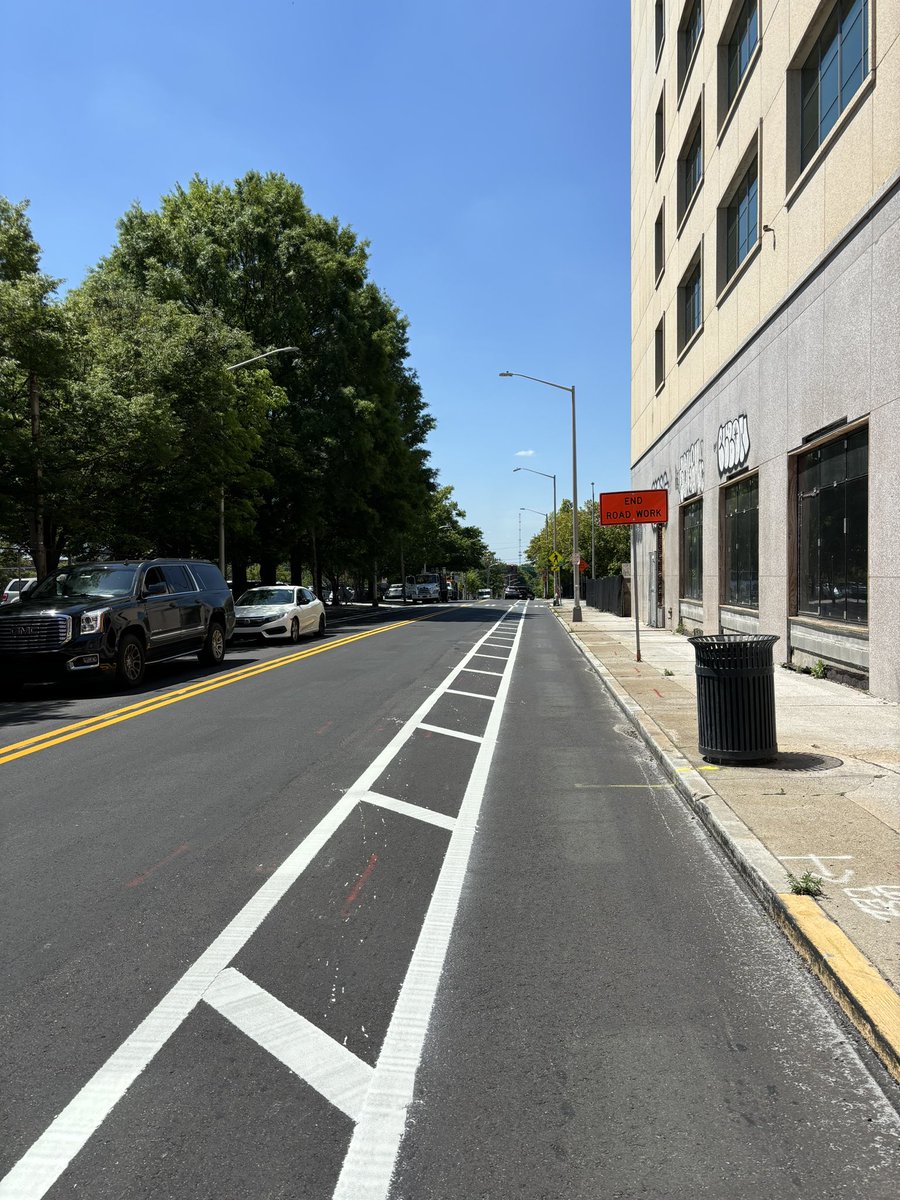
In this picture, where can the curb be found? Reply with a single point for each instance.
(863, 994)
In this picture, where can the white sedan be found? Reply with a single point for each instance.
(281, 611)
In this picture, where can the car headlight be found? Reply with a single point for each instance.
(279, 616)
(95, 621)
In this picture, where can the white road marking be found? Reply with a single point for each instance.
(409, 810)
(46, 1159)
(498, 645)
(476, 671)
(456, 733)
(369, 1164)
(333, 1070)
(474, 695)
(498, 656)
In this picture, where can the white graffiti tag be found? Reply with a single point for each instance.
(690, 470)
(733, 444)
(819, 862)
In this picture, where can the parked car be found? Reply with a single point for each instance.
(518, 591)
(16, 588)
(395, 592)
(281, 611)
(115, 617)
(484, 594)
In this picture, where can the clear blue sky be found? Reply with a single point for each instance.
(481, 147)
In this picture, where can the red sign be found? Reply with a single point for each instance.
(634, 508)
(582, 566)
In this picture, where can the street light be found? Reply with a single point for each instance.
(576, 557)
(555, 569)
(234, 367)
(593, 523)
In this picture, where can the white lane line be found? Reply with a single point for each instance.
(46, 1159)
(501, 657)
(409, 810)
(333, 1070)
(369, 1164)
(465, 737)
(497, 645)
(476, 671)
(474, 695)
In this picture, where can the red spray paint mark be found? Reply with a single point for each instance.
(145, 875)
(658, 693)
(358, 886)
(324, 728)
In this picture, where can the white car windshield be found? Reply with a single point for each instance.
(258, 597)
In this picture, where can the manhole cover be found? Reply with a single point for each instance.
(800, 761)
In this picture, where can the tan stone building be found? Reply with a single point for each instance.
(765, 395)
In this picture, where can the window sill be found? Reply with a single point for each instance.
(739, 271)
(689, 344)
(687, 71)
(659, 167)
(740, 610)
(659, 54)
(659, 388)
(689, 209)
(741, 88)
(834, 133)
(659, 277)
(831, 625)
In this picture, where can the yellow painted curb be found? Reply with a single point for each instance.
(865, 995)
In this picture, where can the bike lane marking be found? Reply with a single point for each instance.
(47, 1158)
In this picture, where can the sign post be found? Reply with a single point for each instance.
(635, 508)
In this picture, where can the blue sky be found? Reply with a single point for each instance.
(481, 148)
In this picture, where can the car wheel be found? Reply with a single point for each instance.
(295, 631)
(131, 661)
(320, 632)
(213, 651)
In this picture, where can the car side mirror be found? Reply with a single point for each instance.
(156, 589)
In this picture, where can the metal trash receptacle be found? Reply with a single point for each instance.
(736, 697)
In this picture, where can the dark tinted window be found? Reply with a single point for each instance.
(742, 44)
(87, 582)
(742, 543)
(834, 515)
(154, 575)
(208, 576)
(178, 578)
(692, 551)
(838, 64)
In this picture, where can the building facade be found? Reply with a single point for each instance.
(765, 250)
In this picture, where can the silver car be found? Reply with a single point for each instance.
(279, 611)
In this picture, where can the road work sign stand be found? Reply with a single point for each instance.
(634, 508)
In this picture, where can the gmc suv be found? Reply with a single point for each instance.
(115, 617)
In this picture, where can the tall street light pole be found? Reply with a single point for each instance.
(234, 367)
(593, 523)
(576, 557)
(532, 471)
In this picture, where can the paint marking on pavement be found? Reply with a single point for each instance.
(601, 786)
(455, 733)
(48, 1157)
(145, 875)
(334, 1071)
(409, 810)
(474, 695)
(354, 893)
(476, 671)
(498, 656)
(80, 729)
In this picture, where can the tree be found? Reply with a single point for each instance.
(35, 358)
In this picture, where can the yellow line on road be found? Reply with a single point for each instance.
(68, 733)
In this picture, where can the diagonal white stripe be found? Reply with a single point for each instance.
(466, 737)
(335, 1072)
(474, 695)
(409, 810)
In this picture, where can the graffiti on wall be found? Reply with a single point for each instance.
(661, 482)
(733, 444)
(690, 471)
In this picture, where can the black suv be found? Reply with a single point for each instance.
(115, 617)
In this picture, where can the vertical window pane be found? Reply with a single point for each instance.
(833, 73)
(856, 577)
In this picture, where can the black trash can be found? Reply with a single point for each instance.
(736, 697)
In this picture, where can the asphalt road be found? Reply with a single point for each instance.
(403, 913)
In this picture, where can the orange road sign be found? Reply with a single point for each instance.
(634, 508)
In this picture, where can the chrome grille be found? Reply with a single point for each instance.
(21, 634)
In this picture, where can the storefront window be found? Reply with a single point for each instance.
(741, 502)
(692, 551)
(834, 514)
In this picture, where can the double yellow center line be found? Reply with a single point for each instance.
(68, 733)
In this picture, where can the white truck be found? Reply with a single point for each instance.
(428, 588)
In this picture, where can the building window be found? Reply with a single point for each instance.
(659, 244)
(832, 73)
(741, 221)
(660, 27)
(692, 167)
(691, 296)
(741, 46)
(660, 353)
(692, 551)
(741, 567)
(690, 32)
(660, 137)
(833, 495)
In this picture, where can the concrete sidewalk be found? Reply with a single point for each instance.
(829, 804)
